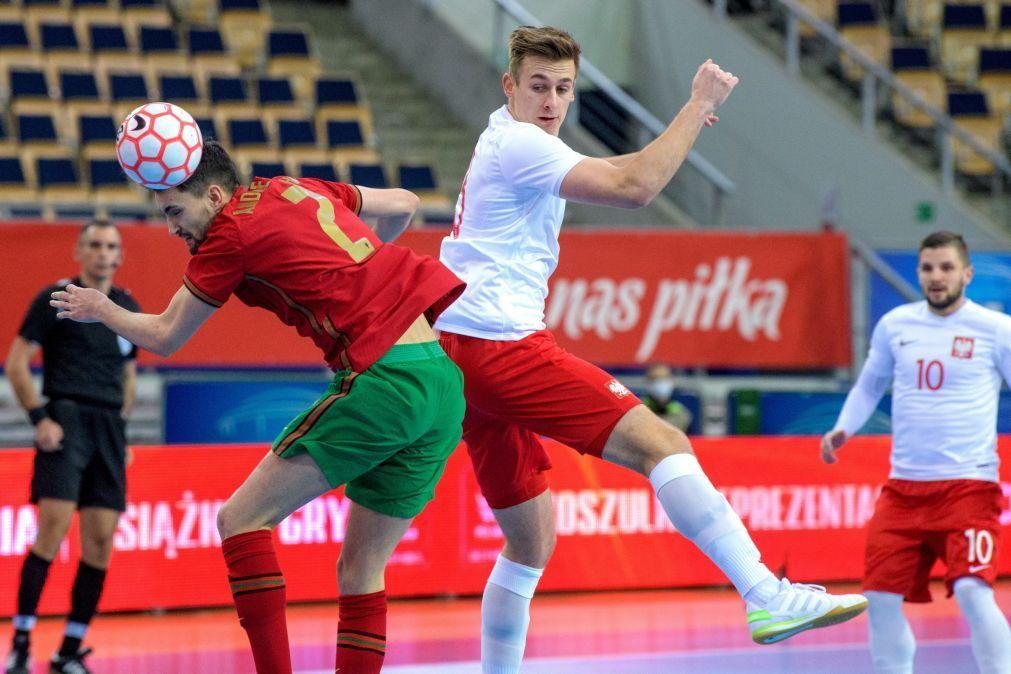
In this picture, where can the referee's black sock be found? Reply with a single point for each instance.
(34, 571)
(84, 598)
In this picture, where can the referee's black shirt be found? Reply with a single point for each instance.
(80, 361)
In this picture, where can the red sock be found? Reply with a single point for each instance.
(361, 633)
(258, 590)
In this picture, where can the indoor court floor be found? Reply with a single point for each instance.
(647, 632)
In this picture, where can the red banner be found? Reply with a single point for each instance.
(617, 298)
(808, 519)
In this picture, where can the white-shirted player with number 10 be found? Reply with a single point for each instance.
(520, 384)
(945, 357)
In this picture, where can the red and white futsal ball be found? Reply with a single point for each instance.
(159, 145)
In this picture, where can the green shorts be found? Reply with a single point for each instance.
(385, 432)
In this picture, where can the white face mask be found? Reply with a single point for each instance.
(660, 389)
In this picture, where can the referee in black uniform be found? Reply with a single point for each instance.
(89, 377)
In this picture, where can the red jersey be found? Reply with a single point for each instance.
(297, 248)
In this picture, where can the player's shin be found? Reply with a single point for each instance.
(703, 515)
(258, 591)
(505, 615)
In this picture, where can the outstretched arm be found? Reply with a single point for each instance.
(633, 181)
(387, 211)
(161, 333)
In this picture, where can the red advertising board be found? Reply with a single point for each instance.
(618, 297)
(808, 519)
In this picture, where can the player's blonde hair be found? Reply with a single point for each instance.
(550, 43)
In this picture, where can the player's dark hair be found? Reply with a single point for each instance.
(216, 168)
(550, 43)
(944, 238)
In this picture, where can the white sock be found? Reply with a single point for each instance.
(704, 516)
(988, 628)
(505, 615)
(892, 643)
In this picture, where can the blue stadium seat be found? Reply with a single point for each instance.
(267, 169)
(964, 16)
(208, 128)
(104, 172)
(227, 90)
(323, 171)
(910, 58)
(179, 89)
(296, 133)
(78, 86)
(56, 172)
(368, 175)
(341, 133)
(105, 38)
(994, 61)
(246, 132)
(137, 4)
(26, 83)
(334, 91)
(36, 128)
(155, 39)
(244, 5)
(204, 40)
(128, 87)
(416, 177)
(13, 36)
(1005, 17)
(288, 43)
(58, 36)
(96, 130)
(274, 91)
(855, 14)
(967, 103)
(11, 172)
(79, 4)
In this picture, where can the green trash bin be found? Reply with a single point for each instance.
(746, 418)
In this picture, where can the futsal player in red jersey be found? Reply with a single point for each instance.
(392, 415)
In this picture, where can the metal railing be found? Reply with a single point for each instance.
(874, 75)
(721, 185)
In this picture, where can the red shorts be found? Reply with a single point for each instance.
(916, 523)
(519, 390)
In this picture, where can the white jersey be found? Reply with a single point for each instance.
(504, 242)
(946, 376)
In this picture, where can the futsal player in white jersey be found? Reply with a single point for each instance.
(945, 357)
(520, 384)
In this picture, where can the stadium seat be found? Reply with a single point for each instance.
(79, 92)
(95, 11)
(420, 179)
(346, 140)
(276, 93)
(16, 46)
(159, 47)
(228, 93)
(207, 50)
(321, 170)
(288, 54)
(59, 184)
(208, 127)
(994, 79)
(963, 32)
(181, 89)
(970, 111)
(912, 67)
(367, 175)
(16, 191)
(337, 98)
(60, 45)
(267, 169)
(244, 133)
(859, 25)
(151, 12)
(1004, 26)
(127, 89)
(37, 130)
(299, 142)
(27, 84)
(111, 189)
(95, 131)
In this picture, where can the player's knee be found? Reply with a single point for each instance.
(96, 547)
(532, 551)
(233, 520)
(973, 595)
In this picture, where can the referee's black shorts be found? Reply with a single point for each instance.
(91, 468)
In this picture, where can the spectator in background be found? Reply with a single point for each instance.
(659, 397)
(89, 376)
